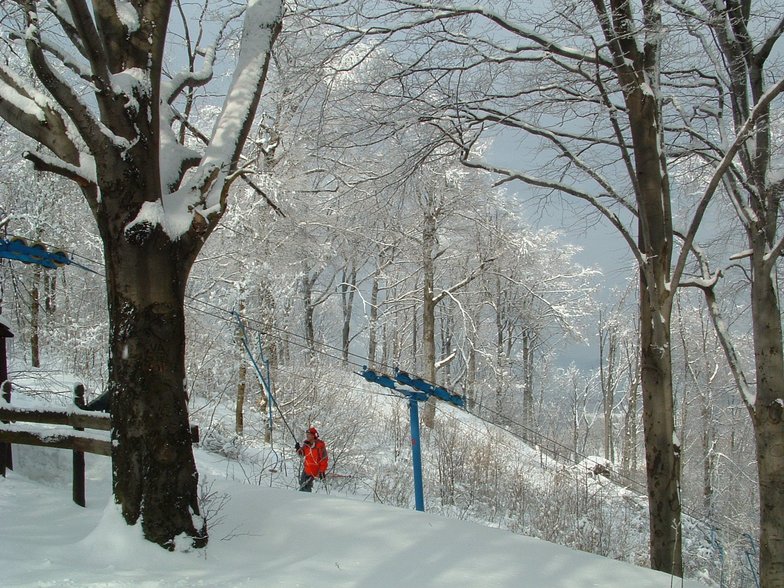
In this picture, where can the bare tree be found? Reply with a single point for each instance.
(739, 42)
(592, 84)
(609, 349)
(584, 80)
(106, 116)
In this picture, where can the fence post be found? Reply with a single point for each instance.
(6, 454)
(78, 456)
(6, 460)
(6, 457)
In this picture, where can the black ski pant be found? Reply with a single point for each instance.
(305, 483)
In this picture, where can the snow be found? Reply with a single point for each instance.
(261, 536)
(22, 103)
(153, 213)
(127, 15)
(131, 83)
(204, 190)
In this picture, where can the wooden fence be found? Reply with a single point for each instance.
(75, 430)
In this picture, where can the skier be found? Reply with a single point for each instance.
(314, 452)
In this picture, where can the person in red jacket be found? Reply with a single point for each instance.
(314, 465)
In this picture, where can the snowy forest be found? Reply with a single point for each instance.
(326, 187)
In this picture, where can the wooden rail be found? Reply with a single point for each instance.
(74, 428)
(69, 433)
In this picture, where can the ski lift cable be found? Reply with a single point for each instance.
(260, 376)
(50, 256)
(631, 482)
(61, 258)
(544, 438)
(360, 360)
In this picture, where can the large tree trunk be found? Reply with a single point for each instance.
(122, 120)
(634, 41)
(662, 453)
(655, 236)
(768, 419)
(155, 477)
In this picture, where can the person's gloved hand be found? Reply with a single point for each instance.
(297, 446)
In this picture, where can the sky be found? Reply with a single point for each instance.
(271, 537)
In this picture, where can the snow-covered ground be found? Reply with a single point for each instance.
(271, 537)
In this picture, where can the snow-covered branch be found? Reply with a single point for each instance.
(35, 115)
(206, 189)
(760, 109)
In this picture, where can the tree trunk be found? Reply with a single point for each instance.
(528, 381)
(471, 362)
(662, 452)
(35, 318)
(708, 452)
(347, 290)
(310, 309)
(373, 323)
(133, 193)
(500, 363)
(629, 460)
(239, 420)
(769, 419)
(608, 348)
(242, 385)
(155, 477)
(429, 313)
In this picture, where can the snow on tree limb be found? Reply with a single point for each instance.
(59, 88)
(33, 114)
(171, 89)
(204, 193)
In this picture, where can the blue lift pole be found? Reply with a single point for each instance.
(416, 455)
(416, 390)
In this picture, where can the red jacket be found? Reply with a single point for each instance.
(316, 458)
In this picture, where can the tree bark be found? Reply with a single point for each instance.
(373, 323)
(35, 318)
(239, 405)
(637, 70)
(768, 419)
(155, 477)
(608, 349)
(348, 289)
(662, 452)
(132, 192)
(429, 312)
